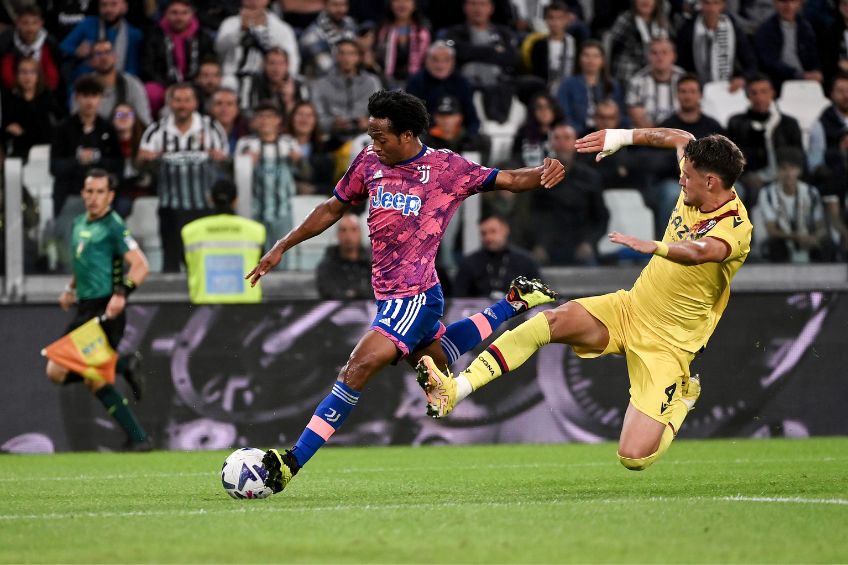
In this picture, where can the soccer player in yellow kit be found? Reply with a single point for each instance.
(659, 324)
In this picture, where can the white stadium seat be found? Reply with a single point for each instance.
(804, 100)
(143, 224)
(719, 103)
(38, 180)
(502, 135)
(628, 215)
(308, 254)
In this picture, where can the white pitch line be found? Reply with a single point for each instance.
(262, 508)
(787, 499)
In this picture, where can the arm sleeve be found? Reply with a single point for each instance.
(735, 235)
(351, 188)
(122, 240)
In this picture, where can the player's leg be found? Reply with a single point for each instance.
(569, 323)
(463, 336)
(661, 395)
(117, 405)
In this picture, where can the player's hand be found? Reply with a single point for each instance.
(634, 243)
(115, 306)
(604, 142)
(67, 299)
(552, 172)
(268, 262)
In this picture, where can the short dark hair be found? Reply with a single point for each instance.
(88, 85)
(405, 112)
(268, 106)
(188, 3)
(276, 50)
(757, 77)
(30, 10)
(223, 194)
(689, 77)
(555, 6)
(716, 154)
(493, 216)
(346, 40)
(111, 180)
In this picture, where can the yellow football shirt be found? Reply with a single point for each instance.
(683, 303)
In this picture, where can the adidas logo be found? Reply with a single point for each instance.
(378, 174)
(488, 312)
(386, 321)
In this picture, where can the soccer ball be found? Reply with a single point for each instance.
(243, 474)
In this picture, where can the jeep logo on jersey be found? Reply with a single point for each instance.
(406, 203)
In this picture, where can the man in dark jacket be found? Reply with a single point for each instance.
(759, 132)
(439, 79)
(488, 271)
(786, 45)
(345, 270)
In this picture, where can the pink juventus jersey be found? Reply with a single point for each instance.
(410, 205)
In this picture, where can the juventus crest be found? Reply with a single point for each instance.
(425, 173)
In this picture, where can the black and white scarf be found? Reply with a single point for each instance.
(33, 49)
(714, 50)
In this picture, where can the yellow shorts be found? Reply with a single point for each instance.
(656, 368)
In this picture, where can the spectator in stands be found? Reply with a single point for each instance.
(224, 109)
(118, 87)
(243, 39)
(530, 146)
(786, 45)
(402, 41)
(186, 147)
(439, 78)
(274, 83)
(833, 43)
(345, 271)
(313, 173)
(615, 169)
(111, 24)
(830, 135)
(489, 270)
(551, 56)
(487, 55)
(444, 14)
(273, 154)
(214, 13)
(652, 92)
(448, 132)
(759, 132)
(298, 13)
(319, 39)
(714, 47)
(631, 36)
(29, 39)
(578, 94)
(366, 38)
(82, 142)
(342, 96)
(751, 13)
(207, 82)
(529, 17)
(64, 15)
(793, 213)
(218, 248)
(173, 51)
(569, 219)
(29, 111)
(135, 182)
(689, 116)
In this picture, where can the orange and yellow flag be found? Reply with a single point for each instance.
(86, 351)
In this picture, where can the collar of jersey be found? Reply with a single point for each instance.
(420, 154)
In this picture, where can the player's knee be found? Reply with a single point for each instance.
(357, 371)
(636, 463)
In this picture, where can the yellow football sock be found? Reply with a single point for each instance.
(679, 410)
(509, 351)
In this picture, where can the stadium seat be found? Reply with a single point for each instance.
(143, 224)
(628, 215)
(720, 104)
(308, 254)
(804, 100)
(502, 135)
(39, 182)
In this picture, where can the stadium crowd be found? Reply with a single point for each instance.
(166, 94)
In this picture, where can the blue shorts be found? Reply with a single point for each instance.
(411, 322)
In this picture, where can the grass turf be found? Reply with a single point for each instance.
(715, 501)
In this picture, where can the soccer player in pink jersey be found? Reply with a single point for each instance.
(413, 192)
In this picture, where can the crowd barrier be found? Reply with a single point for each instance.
(223, 376)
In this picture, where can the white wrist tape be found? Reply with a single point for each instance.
(615, 139)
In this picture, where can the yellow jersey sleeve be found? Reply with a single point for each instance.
(735, 231)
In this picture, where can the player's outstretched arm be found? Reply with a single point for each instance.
(319, 219)
(706, 250)
(549, 174)
(605, 142)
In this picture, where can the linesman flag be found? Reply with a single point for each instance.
(86, 351)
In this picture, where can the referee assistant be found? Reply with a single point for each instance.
(100, 245)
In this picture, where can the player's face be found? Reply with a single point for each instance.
(96, 196)
(694, 185)
(388, 146)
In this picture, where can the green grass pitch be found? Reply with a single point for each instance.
(745, 501)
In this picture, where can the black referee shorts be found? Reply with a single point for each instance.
(94, 307)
